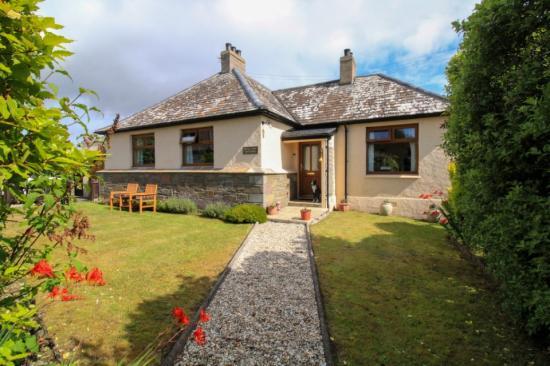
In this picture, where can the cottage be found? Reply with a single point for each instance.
(364, 139)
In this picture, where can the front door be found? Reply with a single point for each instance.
(310, 169)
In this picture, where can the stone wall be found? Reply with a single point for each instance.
(277, 188)
(204, 187)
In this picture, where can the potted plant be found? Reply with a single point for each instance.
(305, 214)
(386, 208)
(272, 209)
(343, 206)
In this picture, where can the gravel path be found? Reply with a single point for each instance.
(265, 312)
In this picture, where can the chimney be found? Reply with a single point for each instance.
(232, 59)
(347, 67)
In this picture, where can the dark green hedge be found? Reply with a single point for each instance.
(499, 136)
(246, 213)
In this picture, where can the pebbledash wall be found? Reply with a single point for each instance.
(234, 178)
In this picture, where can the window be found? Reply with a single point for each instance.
(198, 146)
(143, 150)
(392, 150)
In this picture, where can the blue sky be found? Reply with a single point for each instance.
(134, 53)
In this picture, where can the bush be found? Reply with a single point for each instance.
(177, 205)
(216, 210)
(498, 135)
(246, 213)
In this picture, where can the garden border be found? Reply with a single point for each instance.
(169, 359)
(323, 324)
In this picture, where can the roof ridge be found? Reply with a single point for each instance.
(306, 85)
(411, 86)
(248, 91)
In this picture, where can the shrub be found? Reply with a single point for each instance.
(498, 134)
(246, 213)
(216, 210)
(177, 205)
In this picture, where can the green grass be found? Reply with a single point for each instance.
(151, 262)
(396, 293)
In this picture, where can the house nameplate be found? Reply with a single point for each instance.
(250, 150)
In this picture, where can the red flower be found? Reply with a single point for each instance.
(62, 293)
(55, 292)
(66, 296)
(72, 274)
(179, 314)
(95, 277)
(200, 337)
(203, 316)
(435, 213)
(425, 196)
(443, 221)
(42, 269)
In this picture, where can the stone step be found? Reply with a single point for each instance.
(304, 204)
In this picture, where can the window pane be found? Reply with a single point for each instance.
(315, 158)
(198, 154)
(379, 135)
(306, 157)
(144, 156)
(395, 157)
(138, 141)
(205, 135)
(405, 133)
(189, 137)
(149, 140)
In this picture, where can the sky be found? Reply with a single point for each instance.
(134, 53)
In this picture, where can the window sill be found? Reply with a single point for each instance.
(400, 176)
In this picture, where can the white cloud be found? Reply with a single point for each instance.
(137, 52)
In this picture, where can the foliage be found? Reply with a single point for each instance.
(499, 136)
(37, 162)
(215, 210)
(396, 293)
(177, 205)
(246, 212)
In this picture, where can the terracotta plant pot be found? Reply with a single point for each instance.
(305, 214)
(272, 210)
(386, 209)
(343, 206)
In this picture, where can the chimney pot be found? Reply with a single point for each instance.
(347, 67)
(231, 59)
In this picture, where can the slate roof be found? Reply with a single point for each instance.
(227, 94)
(368, 97)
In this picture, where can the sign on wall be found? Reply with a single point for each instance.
(250, 150)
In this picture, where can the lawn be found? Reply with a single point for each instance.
(397, 293)
(151, 262)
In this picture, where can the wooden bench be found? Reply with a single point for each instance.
(131, 188)
(147, 198)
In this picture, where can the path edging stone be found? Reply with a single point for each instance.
(327, 344)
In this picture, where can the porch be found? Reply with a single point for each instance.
(309, 154)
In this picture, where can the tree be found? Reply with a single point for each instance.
(499, 136)
(37, 163)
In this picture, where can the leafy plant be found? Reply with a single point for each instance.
(38, 162)
(177, 205)
(498, 135)
(246, 213)
(215, 210)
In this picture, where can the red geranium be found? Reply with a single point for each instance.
(179, 314)
(443, 221)
(56, 291)
(200, 337)
(42, 269)
(95, 277)
(203, 316)
(72, 274)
